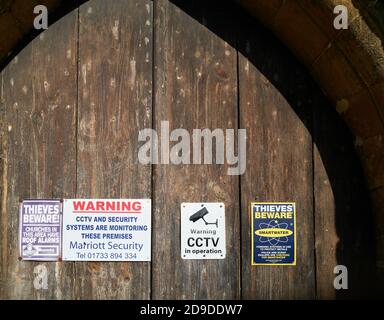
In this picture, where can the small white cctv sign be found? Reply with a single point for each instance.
(203, 230)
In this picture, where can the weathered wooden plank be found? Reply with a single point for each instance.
(39, 95)
(344, 230)
(279, 162)
(326, 239)
(115, 83)
(3, 145)
(195, 86)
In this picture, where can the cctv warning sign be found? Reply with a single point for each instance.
(107, 230)
(273, 233)
(203, 230)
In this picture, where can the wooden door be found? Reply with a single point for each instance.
(74, 99)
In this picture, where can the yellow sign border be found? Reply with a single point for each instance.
(252, 235)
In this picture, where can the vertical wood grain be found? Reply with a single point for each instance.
(3, 185)
(326, 237)
(72, 105)
(115, 83)
(39, 102)
(279, 165)
(195, 87)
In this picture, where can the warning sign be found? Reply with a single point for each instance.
(107, 230)
(273, 233)
(203, 231)
(40, 230)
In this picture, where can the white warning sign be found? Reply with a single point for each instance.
(107, 230)
(203, 230)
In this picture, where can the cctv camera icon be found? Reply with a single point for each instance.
(200, 215)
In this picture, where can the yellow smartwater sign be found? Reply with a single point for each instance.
(273, 233)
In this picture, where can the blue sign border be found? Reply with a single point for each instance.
(253, 238)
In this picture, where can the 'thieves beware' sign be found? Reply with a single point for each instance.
(107, 230)
(40, 230)
(273, 233)
(203, 230)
